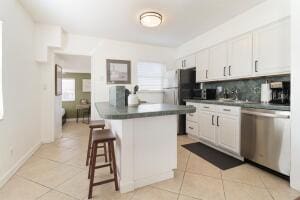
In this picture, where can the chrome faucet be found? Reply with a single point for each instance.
(235, 94)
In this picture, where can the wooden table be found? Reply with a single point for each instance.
(80, 107)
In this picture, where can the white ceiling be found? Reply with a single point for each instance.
(118, 19)
(74, 63)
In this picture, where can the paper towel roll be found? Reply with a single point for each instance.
(266, 93)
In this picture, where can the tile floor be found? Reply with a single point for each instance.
(57, 172)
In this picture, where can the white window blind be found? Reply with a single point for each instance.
(68, 89)
(150, 75)
(1, 92)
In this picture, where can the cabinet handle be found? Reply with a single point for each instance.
(184, 63)
(255, 65)
(205, 107)
(224, 71)
(206, 73)
(191, 128)
(218, 120)
(229, 70)
(212, 120)
(228, 110)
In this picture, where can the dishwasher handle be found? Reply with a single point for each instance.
(266, 114)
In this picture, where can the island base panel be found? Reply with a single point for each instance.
(146, 150)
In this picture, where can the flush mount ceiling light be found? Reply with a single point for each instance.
(151, 19)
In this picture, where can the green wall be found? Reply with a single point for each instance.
(70, 106)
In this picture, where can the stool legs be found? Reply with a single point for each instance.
(92, 169)
(111, 164)
(112, 150)
(89, 148)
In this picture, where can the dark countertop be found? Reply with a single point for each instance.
(243, 104)
(107, 111)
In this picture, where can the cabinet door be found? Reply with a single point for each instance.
(272, 49)
(218, 61)
(240, 57)
(206, 126)
(228, 131)
(202, 63)
(179, 63)
(189, 62)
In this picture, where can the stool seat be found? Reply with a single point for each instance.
(104, 135)
(97, 124)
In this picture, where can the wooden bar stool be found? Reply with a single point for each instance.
(100, 137)
(93, 125)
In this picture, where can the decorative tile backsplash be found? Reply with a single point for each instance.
(248, 89)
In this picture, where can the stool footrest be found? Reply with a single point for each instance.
(103, 182)
(101, 166)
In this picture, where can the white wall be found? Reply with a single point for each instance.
(20, 128)
(151, 96)
(263, 14)
(295, 137)
(110, 49)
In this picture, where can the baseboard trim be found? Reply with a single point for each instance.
(18, 164)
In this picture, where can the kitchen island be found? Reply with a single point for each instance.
(146, 145)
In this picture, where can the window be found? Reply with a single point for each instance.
(1, 94)
(68, 89)
(150, 75)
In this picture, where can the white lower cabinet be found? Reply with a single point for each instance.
(218, 126)
(228, 131)
(206, 126)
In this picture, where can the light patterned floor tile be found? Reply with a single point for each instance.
(202, 187)
(198, 165)
(54, 195)
(183, 197)
(285, 194)
(172, 185)
(36, 165)
(235, 190)
(18, 188)
(244, 174)
(55, 153)
(150, 193)
(54, 177)
(108, 192)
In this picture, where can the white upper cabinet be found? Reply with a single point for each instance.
(178, 64)
(218, 62)
(186, 62)
(271, 49)
(240, 57)
(202, 65)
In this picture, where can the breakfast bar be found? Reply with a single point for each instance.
(146, 146)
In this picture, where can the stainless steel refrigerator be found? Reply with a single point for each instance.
(179, 85)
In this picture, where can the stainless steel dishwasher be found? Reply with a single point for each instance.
(266, 138)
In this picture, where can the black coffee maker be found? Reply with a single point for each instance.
(280, 92)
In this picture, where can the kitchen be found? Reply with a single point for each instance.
(242, 111)
(212, 112)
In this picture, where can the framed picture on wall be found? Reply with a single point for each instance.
(118, 71)
(86, 85)
(58, 80)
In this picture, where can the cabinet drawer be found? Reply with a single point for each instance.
(192, 117)
(207, 107)
(230, 110)
(192, 128)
